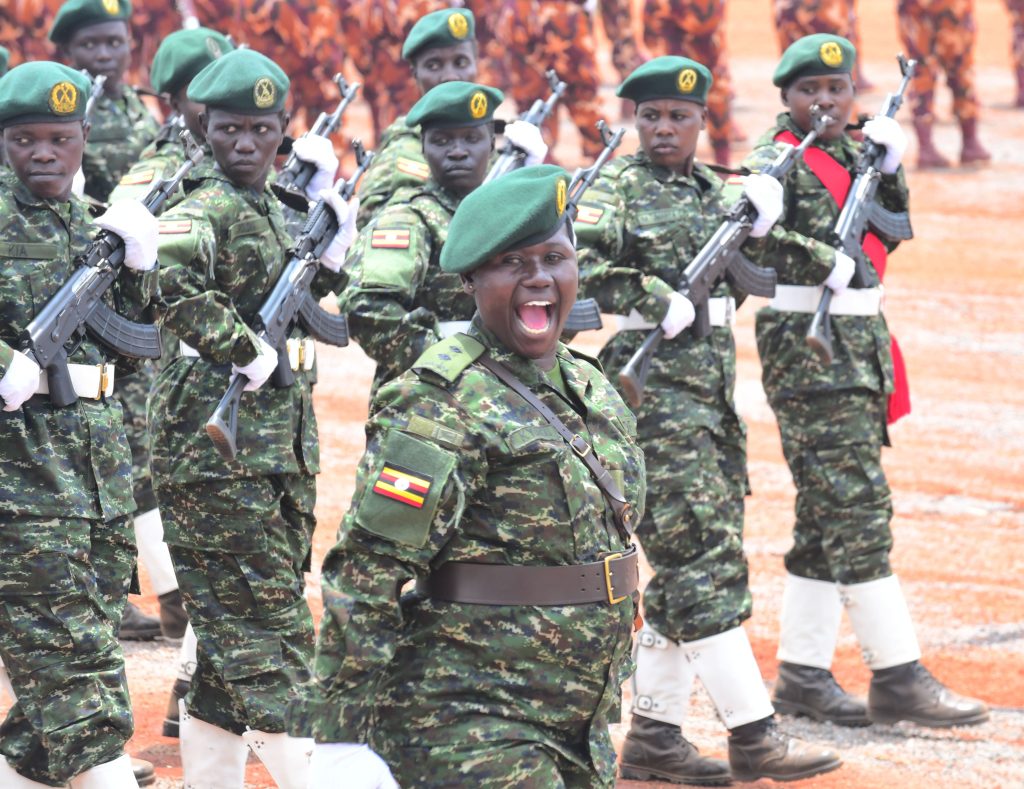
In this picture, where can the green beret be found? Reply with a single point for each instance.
(439, 29)
(41, 91)
(242, 81)
(455, 104)
(667, 77)
(5, 57)
(812, 56)
(183, 54)
(76, 14)
(521, 208)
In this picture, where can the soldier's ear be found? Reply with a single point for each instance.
(204, 121)
(285, 117)
(783, 94)
(703, 117)
(467, 283)
(86, 128)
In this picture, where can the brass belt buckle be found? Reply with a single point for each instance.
(612, 599)
(576, 440)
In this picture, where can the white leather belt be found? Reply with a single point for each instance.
(805, 298)
(91, 381)
(448, 328)
(301, 353)
(721, 312)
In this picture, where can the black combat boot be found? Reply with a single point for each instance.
(173, 619)
(656, 751)
(910, 693)
(814, 692)
(144, 773)
(178, 691)
(137, 626)
(760, 750)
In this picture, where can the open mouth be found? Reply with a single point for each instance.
(535, 317)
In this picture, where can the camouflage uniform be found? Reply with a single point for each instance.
(121, 129)
(239, 532)
(398, 162)
(696, 30)
(454, 694)
(617, 18)
(67, 547)
(795, 19)
(939, 34)
(638, 228)
(398, 294)
(832, 419)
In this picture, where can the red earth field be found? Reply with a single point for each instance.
(956, 467)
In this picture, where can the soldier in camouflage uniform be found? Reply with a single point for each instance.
(833, 418)
(617, 18)
(939, 34)
(94, 35)
(489, 683)
(640, 224)
(795, 19)
(65, 537)
(239, 531)
(398, 301)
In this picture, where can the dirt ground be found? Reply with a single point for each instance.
(956, 467)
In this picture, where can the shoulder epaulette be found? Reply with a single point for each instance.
(576, 354)
(450, 357)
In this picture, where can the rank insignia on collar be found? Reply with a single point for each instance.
(403, 485)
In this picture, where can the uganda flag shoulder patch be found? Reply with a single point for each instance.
(138, 178)
(401, 484)
(390, 238)
(168, 227)
(588, 215)
(418, 170)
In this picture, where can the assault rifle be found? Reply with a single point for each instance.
(94, 93)
(78, 305)
(288, 302)
(860, 211)
(296, 174)
(719, 257)
(586, 314)
(511, 158)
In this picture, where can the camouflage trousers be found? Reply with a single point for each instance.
(939, 35)
(490, 765)
(692, 532)
(63, 586)
(833, 444)
(132, 392)
(617, 18)
(239, 548)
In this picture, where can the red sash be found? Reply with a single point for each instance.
(836, 180)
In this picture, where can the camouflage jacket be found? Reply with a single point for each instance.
(398, 161)
(71, 462)
(398, 293)
(799, 250)
(638, 228)
(502, 488)
(160, 159)
(121, 128)
(221, 251)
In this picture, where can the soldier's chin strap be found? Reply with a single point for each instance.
(623, 511)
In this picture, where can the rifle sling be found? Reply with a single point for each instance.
(616, 500)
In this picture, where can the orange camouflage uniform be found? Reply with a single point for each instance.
(617, 18)
(696, 29)
(1016, 9)
(940, 34)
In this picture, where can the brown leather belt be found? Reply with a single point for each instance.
(611, 580)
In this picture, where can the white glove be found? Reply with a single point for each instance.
(137, 227)
(19, 382)
(679, 316)
(527, 137)
(78, 183)
(842, 272)
(765, 193)
(887, 132)
(317, 150)
(334, 256)
(260, 368)
(361, 767)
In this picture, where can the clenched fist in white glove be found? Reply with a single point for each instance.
(528, 138)
(137, 228)
(888, 133)
(839, 278)
(260, 368)
(362, 768)
(764, 193)
(680, 315)
(319, 151)
(20, 381)
(334, 256)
